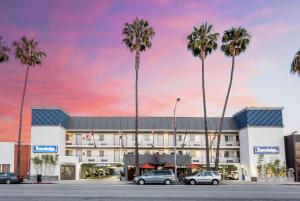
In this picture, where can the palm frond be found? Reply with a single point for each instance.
(202, 40)
(28, 52)
(235, 41)
(137, 36)
(295, 67)
(3, 51)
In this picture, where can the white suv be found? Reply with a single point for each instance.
(206, 177)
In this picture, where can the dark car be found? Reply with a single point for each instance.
(9, 178)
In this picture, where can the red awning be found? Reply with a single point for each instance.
(169, 165)
(193, 166)
(146, 166)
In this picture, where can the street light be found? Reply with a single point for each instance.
(175, 144)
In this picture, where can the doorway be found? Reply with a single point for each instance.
(67, 172)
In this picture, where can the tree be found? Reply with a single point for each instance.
(137, 37)
(202, 42)
(3, 52)
(234, 42)
(295, 67)
(30, 55)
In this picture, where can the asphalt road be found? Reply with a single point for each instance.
(102, 192)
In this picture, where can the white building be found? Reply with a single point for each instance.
(93, 146)
(7, 151)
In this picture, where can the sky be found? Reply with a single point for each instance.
(89, 72)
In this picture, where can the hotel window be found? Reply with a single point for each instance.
(237, 138)
(89, 153)
(192, 138)
(5, 168)
(179, 137)
(68, 152)
(193, 154)
(101, 138)
(226, 154)
(67, 137)
(180, 152)
(101, 153)
(226, 138)
(147, 138)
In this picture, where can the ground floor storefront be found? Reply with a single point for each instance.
(89, 171)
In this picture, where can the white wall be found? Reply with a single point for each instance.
(259, 136)
(7, 154)
(48, 135)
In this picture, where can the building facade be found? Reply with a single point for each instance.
(8, 158)
(93, 146)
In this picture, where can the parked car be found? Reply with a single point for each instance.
(9, 178)
(156, 177)
(234, 175)
(206, 177)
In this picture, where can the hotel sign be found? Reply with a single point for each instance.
(267, 150)
(44, 149)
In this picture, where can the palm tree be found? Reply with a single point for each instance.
(137, 37)
(295, 67)
(202, 42)
(29, 54)
(3, 52)
(235, 41)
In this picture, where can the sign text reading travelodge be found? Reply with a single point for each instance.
(44, 149)
(266, 150)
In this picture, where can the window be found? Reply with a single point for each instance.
(6, 168)
(226, 138)
(193, 154)
(208, 174)
(226, 154)
(101, 153)
(179, 137)
(147, 138)
(133, 137)
(180, 152)
(67, 137)
(89, 153)
(147, 152)
(68, 152)
(101, 137)
(192, 137)
(237, 138)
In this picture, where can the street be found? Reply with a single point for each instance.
(124, 192)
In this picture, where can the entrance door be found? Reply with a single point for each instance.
(67, 172)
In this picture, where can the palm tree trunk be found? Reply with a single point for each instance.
(223, 114)
(205, 118)
(20, 125)
(137, 64)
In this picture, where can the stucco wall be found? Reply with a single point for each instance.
(259, 136)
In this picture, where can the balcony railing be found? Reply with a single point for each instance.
(149, 144)
(202, 160)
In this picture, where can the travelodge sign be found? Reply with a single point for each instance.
(44, 149)
(267, 150)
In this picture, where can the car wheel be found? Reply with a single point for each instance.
(192, 182)
(168, 182)
(215, 182)
(141, 182)
(8, 181)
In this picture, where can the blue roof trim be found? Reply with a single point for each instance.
(259, 118)
(49, 117)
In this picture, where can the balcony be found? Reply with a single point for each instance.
(101, 159)
(223, 160)
(148, 144)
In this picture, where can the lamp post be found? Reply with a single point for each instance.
(175, 143)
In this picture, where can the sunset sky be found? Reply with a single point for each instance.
(88, 71)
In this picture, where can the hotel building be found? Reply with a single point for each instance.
(83, 143)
